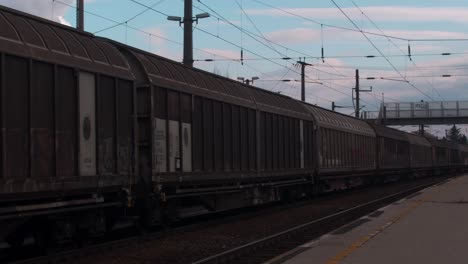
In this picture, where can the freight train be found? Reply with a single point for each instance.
(95, 132)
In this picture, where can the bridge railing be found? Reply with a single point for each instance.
(419, 110)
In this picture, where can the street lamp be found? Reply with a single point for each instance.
(201, 16)
(248, 81)
(175, 18)
(194, 19)
(188, 20)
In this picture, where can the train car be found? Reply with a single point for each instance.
(440, 156)
(345, 149)
(456, 163)
(66, 113)
(464, 156)
(92, 128)
(208, 143)
(393, 153)
(420, 155)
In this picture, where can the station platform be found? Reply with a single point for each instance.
(430, 226)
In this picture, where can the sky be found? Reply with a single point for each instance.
(268, 30)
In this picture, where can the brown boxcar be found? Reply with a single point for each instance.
(440, 156)
(345, 149)
(420, 155)
(67, 120)
(212, 143)
(393, 149)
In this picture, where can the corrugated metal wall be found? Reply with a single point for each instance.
(52, 128)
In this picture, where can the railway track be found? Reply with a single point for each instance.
(253, 252)
(274, 245)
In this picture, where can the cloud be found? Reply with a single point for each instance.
(223, 53)
(63, 21)
(421, 34)
(303, 35)
(43, 8)
(377, 13)
(159, 36)
(453, 88)
(294, 35)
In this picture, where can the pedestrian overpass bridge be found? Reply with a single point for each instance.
(420, 113)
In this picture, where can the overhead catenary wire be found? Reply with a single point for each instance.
(356, 30)
(131, 18)
(257, 29)
(240, 28)
(230, 42)
(140, 30)
(219, 16)
(250, 34)
(394, 44)
(255, 36)
(256, 54)
(148, 33)
(387, 78)
(380, 52)
(169, 40)
(365, 56)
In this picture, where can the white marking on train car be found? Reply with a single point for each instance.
(160, 148)
(87, 127)
(186, 147)
(174, 146)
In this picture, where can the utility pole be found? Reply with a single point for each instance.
(188, 33)
(188, 20)
(303, 65)
(333, 106)
(357, 94)
(303, 82)
(80, 15)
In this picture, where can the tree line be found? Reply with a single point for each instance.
(454, 135)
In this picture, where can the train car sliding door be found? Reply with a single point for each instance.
(159, 132)
(174, 131)
(87, 127)
(301, 142)
(186, 118)
(172, 136)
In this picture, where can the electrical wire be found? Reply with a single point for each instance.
(356, 30)
(369, 56)
(257, 29)
(254, 36)
(130, 19)
(241, 29)
(149, 8)
(176, 42)
(140, 30)
(391, 41)
(380, 52)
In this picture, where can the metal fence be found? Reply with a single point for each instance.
(419, 110)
